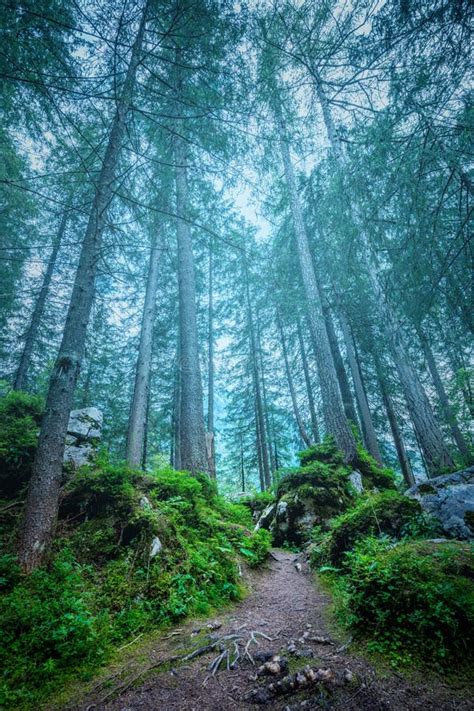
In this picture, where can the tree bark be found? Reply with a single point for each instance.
(175, 457)
(335, 418)
(309, 388)
(210, 443)
(21, 376)
(291, 386)
(443, 398)
(402, 454)
(137, 420)
(269, 429)
(192, 432)
(261, 434)
(366, 418)
(344, 387)
(43, 493)
(429, 435)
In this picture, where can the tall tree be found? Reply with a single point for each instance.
(43, 492)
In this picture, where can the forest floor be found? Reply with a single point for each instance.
(284, 604)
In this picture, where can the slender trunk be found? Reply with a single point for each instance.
(309, 388)
(403, 459)
(210, 442)
(21, 376)
(256, 383)
(335, 418)
(269, 429)
(192, 433)
(291, 387)
(261, 470)
(43, 494)
(175, 438)
(365, 416)
(136, 423)
(344, 387)
(443, 398)
(242, 468)
(145, 438)
(429, 435)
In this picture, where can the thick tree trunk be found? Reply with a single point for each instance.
(365, 416)
(258, 439)
(429, 435)
(335, 418)
(403, 459)
(137, 420)
(21, 376)
(309, 388)
(291, 386)
(443, 398)
(210, 442)
(344, 387)
(260, 417)
(192, 432)
(43, 493)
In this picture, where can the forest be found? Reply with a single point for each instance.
(236, 373)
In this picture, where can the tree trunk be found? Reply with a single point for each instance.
(136, 423)
(366, 418)
(289, 378)
(258, 439)
(261, 434)
(21, 376)
(309, 388)
(269, 429)
(429, 435)
(175, 439)
(344, 387)
(192, 432)
(242, 468)
(210, 442)
(405, 465)
(443, 398)
(335, 418)
(43, 493)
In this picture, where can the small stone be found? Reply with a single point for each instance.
(348, 676)
(156, 546)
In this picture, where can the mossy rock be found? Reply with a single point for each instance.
(384, 514)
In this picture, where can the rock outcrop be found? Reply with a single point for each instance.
(450, 500)
(83, 436)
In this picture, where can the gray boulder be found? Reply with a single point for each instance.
(450, 499)
(266, 517)
(83, 436)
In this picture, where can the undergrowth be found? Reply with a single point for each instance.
(132, 551)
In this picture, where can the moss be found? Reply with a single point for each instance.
(413, 601)
(325, 452)
(387, 513)
(373, 475)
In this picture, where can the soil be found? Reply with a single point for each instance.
(284, 604)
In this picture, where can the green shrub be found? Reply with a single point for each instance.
(102, 581)
(48, 629)
(20, 416)
(325, 452)
(415, 600)
(387, 513)
(256, 547)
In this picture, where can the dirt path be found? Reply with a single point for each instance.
(284, 605)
